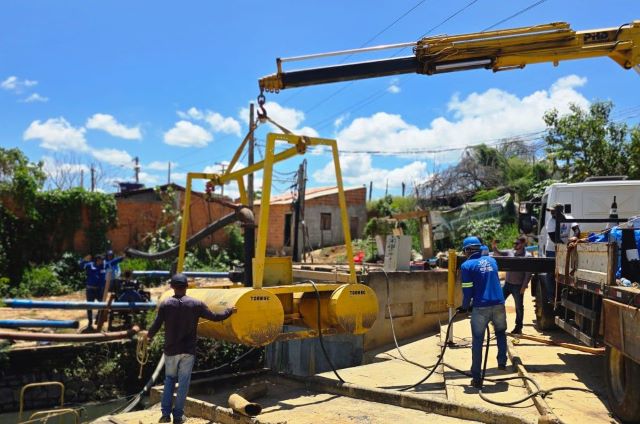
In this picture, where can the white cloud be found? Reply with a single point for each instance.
(340, 120)
(186, 134)
(180, 177)
(57, 134)
(105, 122)
(160, 166)
(217, 122)
(289, 118)
(479, 117)
(15, 84)
(35, 97)
(148, 179)
(113, 156)
(394, 86)
(359, 170)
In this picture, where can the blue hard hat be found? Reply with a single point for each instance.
(471, 241)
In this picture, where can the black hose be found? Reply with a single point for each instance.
(242, 214)
(320, 339)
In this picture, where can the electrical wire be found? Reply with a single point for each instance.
(320, 338)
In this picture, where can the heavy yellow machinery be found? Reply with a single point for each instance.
(499, 50)
(274, 300)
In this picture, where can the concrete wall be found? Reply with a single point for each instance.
(140, 214)
(418, 304)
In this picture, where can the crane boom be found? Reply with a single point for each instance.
(496, 50)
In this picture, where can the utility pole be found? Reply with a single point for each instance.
(370, 189)
(136, 168)
(298, 210)
(403, 187)
(250, 229)
(223, 167)
(169, 172)
(386, 189)
(93, 178)
(82, 178)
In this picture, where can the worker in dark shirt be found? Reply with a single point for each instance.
(483, 297)
(515, 282)
(95, 270)
(180, 314)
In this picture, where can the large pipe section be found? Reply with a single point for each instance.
(242, 214)
(61, 337)
(51, 304)
(38, 323)
(258, 322)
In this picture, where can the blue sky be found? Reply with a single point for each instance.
(103, 82)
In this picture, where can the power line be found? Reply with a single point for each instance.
(518, 13)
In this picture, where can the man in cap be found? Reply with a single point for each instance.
(180, 314)
(484, 299)
(515, 282)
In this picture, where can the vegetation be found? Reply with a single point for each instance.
(36, 226)
(587, 142)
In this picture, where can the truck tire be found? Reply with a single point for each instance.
(623, 385)
(545, 319)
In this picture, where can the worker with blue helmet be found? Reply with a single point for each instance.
(482, 296)
(112, 264)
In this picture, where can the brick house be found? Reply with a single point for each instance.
(140, 213)
(321, 215)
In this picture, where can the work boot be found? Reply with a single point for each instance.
(179, 420)
(165, 419)
(517, 330)
(502, 367)
(477, 383)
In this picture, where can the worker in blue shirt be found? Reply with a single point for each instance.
(95, 281)
(484, 299)
(112, 264)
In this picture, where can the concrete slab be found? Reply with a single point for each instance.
(554, 366)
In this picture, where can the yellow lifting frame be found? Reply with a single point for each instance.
(300, 144)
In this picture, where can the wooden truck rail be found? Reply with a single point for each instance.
(590, 306)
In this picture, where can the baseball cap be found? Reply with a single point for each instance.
(471, 241)
(179, 280)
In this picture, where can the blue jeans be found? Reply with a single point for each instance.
(518, 298)
(176, 368)
(480, 318)
(93, 293)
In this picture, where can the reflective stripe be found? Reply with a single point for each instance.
(467, 285)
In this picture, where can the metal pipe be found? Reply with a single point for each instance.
(52, 304)
(59, 337)
(38, 323)
(347, 52)
(195, 274)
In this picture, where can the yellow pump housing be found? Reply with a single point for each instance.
(274, 300)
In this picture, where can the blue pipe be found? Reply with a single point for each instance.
(49, 304)
(202, 274)
(33, 323)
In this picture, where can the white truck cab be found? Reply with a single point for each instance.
(591, 199)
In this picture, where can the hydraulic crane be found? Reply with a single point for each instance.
(499, 50)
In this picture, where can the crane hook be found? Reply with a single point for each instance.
(262, 112)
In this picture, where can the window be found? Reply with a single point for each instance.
(325, 221)
(287, 229)
(353, 227)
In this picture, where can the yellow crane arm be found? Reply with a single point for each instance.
(496, 50)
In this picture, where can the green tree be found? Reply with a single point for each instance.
(587, 143)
